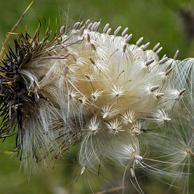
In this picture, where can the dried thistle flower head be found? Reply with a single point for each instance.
(96, 90)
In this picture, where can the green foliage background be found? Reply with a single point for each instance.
(157, 21)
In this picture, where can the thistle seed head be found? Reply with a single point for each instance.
(93, 89)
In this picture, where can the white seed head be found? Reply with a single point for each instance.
(97, 91)
(94, 125)
(128, 117)
(114, 126)
(117, 92)
(95, 95)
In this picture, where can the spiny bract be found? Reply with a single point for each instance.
(118, 101)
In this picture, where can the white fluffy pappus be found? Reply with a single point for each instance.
(97, 90)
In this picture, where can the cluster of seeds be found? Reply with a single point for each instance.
(96, 90)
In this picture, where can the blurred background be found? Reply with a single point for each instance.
(169, 22)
